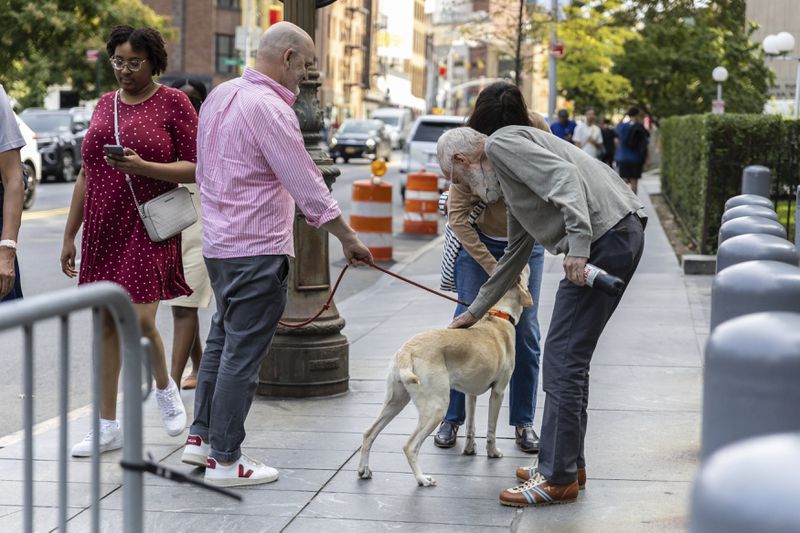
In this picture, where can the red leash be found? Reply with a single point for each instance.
(327, 304)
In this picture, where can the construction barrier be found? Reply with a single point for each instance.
(422, 197)
(371, 216)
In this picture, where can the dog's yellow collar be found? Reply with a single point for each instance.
(500, 314)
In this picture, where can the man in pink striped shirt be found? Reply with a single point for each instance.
(251, 169)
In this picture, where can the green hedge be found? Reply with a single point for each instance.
(702, 159)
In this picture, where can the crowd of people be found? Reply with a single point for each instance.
(240, 152)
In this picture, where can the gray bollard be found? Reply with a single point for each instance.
(756, 179)
(752, 368)
(753, 247)
(752, 287)
(750, 224)
(797, 219)
(748, 199)
(749, 211)
(749, 486)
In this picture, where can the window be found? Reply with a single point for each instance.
(229, 4)
(226, 56)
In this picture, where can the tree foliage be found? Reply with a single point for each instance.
(660, 54)
(44, 43)
(594, 33)
(680, 42)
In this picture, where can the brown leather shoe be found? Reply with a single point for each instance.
(538, 491)
(524, 473)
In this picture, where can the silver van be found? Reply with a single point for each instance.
(420, 150)
(398, 123)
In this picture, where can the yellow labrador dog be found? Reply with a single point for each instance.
(471, 360)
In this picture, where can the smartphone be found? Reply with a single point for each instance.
(114, 149)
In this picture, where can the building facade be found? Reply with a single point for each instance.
(347, 59)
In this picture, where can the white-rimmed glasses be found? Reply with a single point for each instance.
(133, 64)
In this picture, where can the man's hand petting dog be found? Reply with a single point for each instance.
(464, 320)
(573, 268)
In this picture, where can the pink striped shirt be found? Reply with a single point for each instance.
(251, 169)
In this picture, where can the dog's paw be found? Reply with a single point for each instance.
(469, 448)
(494, 453)
(426, 481)
(365, 473)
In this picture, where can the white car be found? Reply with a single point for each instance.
(32, 161)
(419, 153)
(398, 122)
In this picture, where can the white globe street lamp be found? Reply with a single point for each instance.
(778, 47)
(720, 74)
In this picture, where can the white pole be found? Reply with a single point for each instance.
(719, 91)
(449, 104)
(797, 91)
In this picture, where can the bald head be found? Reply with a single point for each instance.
(285, 53)
(280, 37)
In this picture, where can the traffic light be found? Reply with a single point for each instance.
(442, 71)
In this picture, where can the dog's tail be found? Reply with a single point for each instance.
(405, 367)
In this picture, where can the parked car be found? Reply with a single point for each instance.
(59, 134)
(398, 123)
(420, 150)
(361, 138)
(31, 162)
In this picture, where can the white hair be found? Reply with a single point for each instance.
(461, 140)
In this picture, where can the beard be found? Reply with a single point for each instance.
(484, 184)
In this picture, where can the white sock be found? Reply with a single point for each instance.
(108, 423)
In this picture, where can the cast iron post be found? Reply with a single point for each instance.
(312, 360)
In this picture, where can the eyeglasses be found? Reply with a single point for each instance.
(133, 64)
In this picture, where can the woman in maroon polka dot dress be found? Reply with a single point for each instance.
(157, 127)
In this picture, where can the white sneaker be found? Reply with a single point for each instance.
(245, 471)
(195, 452)
(110, 439)
(173, 413)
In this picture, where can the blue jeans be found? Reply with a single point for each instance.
(522, 390)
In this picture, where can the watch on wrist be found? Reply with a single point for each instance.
(8, 243)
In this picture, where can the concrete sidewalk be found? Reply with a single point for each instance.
(641, 446)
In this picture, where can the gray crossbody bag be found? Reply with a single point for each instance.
(165, 215)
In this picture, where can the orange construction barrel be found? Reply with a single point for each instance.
(421, 208)
(371, 216)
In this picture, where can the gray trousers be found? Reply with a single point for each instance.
(251, 294)
(579, 316)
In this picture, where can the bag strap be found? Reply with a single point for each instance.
(476, 212)
(116, 138)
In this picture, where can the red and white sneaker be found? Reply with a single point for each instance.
(245, 471)
(195, 452)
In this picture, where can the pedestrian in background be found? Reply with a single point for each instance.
(482, 244)
(588, 136)
(631, 151)
(564, 127)
(12, 192)
(573, 204)
(186, 341)
(157, 126)
(252, 168)
(609, 142)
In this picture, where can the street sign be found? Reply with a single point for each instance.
(92, 55)
(232, 61)
(557, 49)
(718, 107)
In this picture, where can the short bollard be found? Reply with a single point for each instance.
(748, 199)
(750, 224)
(752, 287)
(754, 247)
(749, 211)
(756, 179)
(749, 486)
(752, 369)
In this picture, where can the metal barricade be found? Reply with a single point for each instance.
(61, 304)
